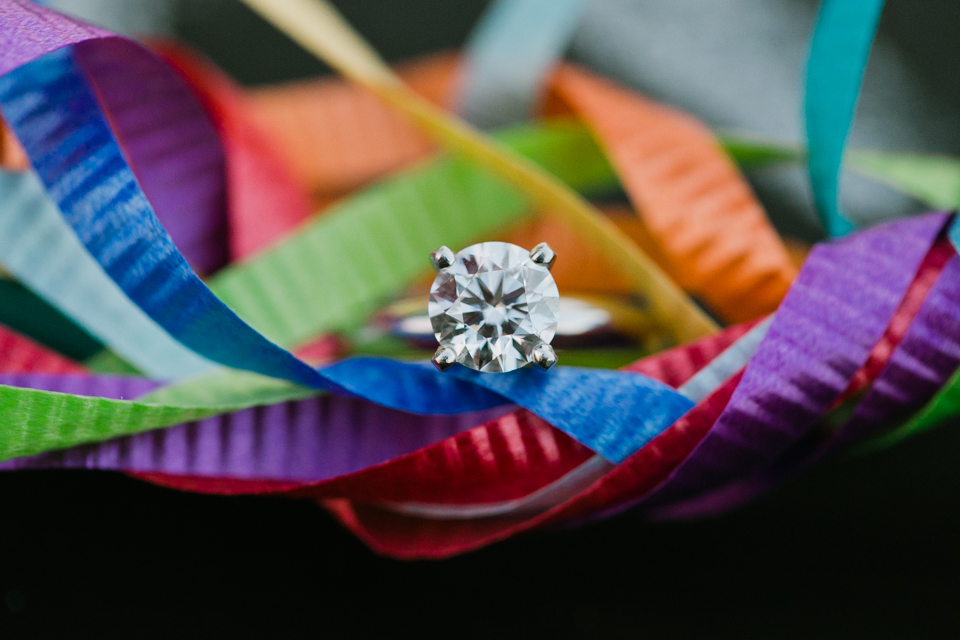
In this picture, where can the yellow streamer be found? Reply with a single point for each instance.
(321, 30)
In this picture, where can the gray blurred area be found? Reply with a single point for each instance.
(736, 64)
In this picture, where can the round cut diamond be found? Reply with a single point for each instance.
(493, 306)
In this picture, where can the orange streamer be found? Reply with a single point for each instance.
(715, 239)
(338, 137)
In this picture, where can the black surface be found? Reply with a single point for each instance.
(858, 548)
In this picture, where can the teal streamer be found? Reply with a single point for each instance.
(509, 56)
(839, 51)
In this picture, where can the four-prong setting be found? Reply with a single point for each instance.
(494, 307)
(442, 258)
(542, 254)
(444, 358)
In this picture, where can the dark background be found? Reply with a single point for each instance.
(859, 547)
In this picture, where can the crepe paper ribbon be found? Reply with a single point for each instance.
(290, 444)
(516, 457)
(508, 457)
(946, 403)
(892, 382)
(509, 56)
(462, 541)
(568, 495)
(838, 56)
(401, 536)
(318, 27)
(154, 125)
(822, 334)
(226, 441)
(690, 369)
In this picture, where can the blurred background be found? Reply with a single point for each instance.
(860, 547)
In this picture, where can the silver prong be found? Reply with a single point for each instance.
(544, 355)
(442, 258)
(444, 358)
(542, 254)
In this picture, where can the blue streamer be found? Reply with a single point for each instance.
(611, 412)
(509, 55)
(838, 56)
(64, 130)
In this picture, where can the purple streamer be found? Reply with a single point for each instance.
(306, 440)
(922, 363)
(823, 332)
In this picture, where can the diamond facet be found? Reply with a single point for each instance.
(493, 306)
